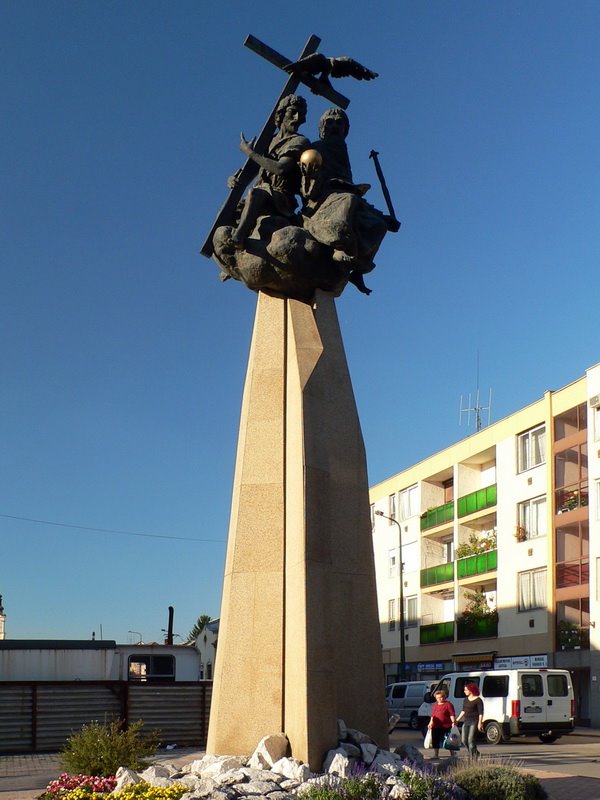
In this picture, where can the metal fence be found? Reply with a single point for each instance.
(39, 716)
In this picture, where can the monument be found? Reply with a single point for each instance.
(299, 644)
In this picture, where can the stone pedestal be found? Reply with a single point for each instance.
(299, 644)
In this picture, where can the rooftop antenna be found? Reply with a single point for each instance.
(477, 408)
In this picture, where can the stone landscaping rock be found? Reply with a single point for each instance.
(126, 777)
(262, 776)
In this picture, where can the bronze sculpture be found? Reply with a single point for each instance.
(263, 241)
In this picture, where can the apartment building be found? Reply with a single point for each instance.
(488, 552)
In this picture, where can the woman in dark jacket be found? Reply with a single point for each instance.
(472, 713)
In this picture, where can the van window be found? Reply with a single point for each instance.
(557, 685)
(495, 686)
(459, 686)
(398, 691)
(416, 690)
(532, 686)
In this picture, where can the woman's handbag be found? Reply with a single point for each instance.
(428, 739)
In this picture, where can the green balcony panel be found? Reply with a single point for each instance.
(476, 501)
(438, 632)
(476, 565)
(437, 516)
(483, 628)
(442, 573)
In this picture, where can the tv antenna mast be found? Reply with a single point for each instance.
(476, 409)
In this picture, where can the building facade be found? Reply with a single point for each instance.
(488, 552)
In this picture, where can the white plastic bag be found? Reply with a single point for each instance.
(427, 740)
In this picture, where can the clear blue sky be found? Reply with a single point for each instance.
(123, 356)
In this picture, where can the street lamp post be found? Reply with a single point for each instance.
(401, 599)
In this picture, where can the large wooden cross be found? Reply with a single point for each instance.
(250, 169)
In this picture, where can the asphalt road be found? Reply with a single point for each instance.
(575, 754)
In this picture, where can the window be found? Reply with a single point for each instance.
(597, 499)
(572, 553)
(398, 692)
(459, 685)
(495, 686)
(408, 502)
(531, 448)
(570, 422)
(532, 517)
(532, 589)
(557, 685)
(372, 512)
(571, 468)
(410, 612)
(151, 668)
(532, 686)
(392, 563)
(391, 615)
(392, 506)
(596, 415)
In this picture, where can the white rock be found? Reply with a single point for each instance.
(368, 752)
(223, 764)
(358, 737)
(255, 788)
(199, 764)
(270, 749)
(341, 765)
(292, 768)
(163, 783)
(386, 763)
(259, 775)
(351, 750)
(331, 754)
(398, 792)
(156, 771)
(126, 777)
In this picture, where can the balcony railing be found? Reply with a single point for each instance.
(438, 632)
(442, 573)
(573, 637)
(437, 516)
(476, 565)
(476, 501)
(573, 573)
(482, 628)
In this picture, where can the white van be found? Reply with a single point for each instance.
(404, 699)
(531, 702)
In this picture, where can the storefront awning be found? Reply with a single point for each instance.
(474, 658)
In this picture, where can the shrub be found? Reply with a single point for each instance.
(359, 787)
(101, 749)
(489, 783)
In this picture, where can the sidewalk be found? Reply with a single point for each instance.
(24, 777)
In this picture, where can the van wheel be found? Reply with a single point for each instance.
(493, 733)
(413, 722)
(548, 737)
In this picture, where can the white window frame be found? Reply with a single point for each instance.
(393, 563)
(597, 482)
(392, 614)
(411, 620)
(372, 513)
(596, 415)
(392, 507)
(408, 502)
(526, 450)
(532, 589)
(530, 516)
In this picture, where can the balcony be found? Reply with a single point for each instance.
(442, 573)
(477, 501)
(572, 637)
(572, 573)
(477, 564)
(437, 516)
(571, 498)
(483, 628)
(438, 632)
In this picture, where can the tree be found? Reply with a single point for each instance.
(199, 626)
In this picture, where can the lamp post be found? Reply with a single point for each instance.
(401, 599)
(137, 633)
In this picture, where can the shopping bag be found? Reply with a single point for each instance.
(452, 739)
(428, 739)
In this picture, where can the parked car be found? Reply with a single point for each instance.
(404, 699)
(517, 702)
